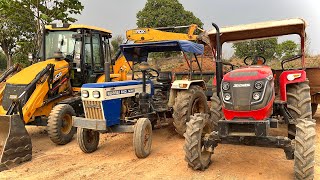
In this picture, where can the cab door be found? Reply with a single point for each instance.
(93, 61)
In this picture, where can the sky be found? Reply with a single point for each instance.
(120, 15)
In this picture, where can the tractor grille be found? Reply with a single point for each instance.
(242, 98)
(93, 109)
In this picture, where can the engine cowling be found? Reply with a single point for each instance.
(248, 93)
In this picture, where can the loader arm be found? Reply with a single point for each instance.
(142, 35)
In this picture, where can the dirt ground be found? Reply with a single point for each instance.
(115, 159)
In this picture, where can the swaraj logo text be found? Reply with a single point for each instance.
(118, 92)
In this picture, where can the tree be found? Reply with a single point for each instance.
(266, 48)
(22, 22)
(286, 49)
(115, 43)
(163, 13)
(3, 62)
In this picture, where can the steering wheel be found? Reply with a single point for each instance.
(149, 75)
(255, 59)
(290, 59)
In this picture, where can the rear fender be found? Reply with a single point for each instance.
(185, 84)
(180, 85)
(290, 77)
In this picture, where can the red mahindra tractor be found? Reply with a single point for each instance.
(253, 99)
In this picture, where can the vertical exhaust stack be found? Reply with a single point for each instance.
(219, 65)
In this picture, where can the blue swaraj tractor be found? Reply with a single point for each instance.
(142, 103)
(253, 99)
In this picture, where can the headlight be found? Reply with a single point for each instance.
(227, 96)
(258, 85)
(85, 93)
(225, 86)
(256, 95)
(96, 94)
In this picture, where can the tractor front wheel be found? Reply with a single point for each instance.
(187, 103)
(196, 155)
(60, 129)
(142, 137)
(88, 140)
(304, 149)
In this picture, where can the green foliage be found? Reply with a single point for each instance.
(268, 48)
(265, 48)
(115, 43)
(164, 13)
(286, 49)
(22, 21)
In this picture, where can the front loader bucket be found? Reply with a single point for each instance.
(15, 142)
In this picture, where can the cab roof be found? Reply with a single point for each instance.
(260, 30)
(75, 26)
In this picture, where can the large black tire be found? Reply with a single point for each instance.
(60, 129)
(196, 156)
(142, 137)
(215, 111)
(299, 104)
(187, 103)
(88, 140)
(304, 149)
(314, 107)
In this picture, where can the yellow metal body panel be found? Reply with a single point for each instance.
(79, 26)
(26, 75)
(39, 95)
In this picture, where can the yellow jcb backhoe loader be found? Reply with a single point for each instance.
(47, 92)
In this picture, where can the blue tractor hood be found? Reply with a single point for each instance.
(114, 84)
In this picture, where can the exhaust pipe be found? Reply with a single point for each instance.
(219, 65)
(15, 142)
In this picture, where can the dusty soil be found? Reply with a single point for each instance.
(115, 159)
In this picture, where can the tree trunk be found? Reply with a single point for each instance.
(9, 61)
(8, 56)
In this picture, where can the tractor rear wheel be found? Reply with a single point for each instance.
(299, 104)
(142, 137)
(215, 111)
(314, 107)
(88, 140)
(60, 129)
(304, 149)
(187, 103)
(196, 155)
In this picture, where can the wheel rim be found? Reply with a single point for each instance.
(197, 107)
(146, 138)
(66, 124)
(90, 135)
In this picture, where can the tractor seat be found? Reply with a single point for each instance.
(165, 77)
(163, 81)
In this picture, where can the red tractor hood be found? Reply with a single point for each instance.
(248, 73)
